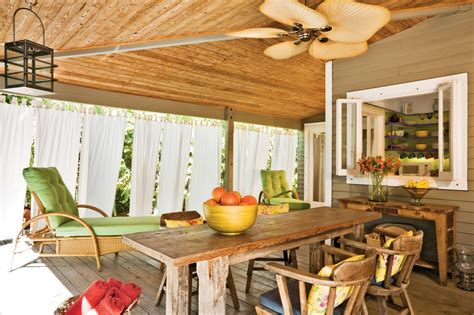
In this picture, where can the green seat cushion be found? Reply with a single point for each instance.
(295, 204)
(110, 226)
(47, 183)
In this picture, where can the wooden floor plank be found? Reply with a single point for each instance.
(51, 280)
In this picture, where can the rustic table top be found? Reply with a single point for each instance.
(199, 242)
(428, 207)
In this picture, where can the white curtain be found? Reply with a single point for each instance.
(284, 155)
(251, 152)
(16, 136)
(101, 153)
(146, 143)
(57, 143)
(206, 171)
(173, 165)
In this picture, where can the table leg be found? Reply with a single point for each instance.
(358, 234)
(212, 276)
(177, 290)
(441, 244)
(315, 257)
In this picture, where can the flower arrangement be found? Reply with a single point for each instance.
(377, 165)
(377, 168)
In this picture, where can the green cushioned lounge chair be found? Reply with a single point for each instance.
(65, 230)
(276, 191)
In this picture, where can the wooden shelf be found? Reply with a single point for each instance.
(414, 150)
(410, 137)
(412, 125)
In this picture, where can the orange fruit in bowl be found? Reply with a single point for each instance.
(250, 200)
(217, 194)
(230, 199)
(211, 202)
(237, 194)
(243, 204)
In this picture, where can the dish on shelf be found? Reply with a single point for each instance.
(420, 146)
(422, 133)
(398, 146)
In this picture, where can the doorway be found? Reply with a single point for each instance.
(315, 188)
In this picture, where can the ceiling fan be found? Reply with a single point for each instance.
(335, 29)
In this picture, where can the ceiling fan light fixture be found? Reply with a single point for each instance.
(264, 32)
(333, 50)
(353, 22)
(286, 49)
(290, 12)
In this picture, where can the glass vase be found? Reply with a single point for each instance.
(378, 191)
(465, 268)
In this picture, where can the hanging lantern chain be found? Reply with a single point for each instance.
(31, 4)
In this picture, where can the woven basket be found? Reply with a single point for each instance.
(61, 310)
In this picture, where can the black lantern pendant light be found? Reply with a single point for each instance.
(28, 65)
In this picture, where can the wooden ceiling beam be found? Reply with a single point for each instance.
(412, 13)
(161, 43)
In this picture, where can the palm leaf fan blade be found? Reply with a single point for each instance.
(334, 50)
(286, 50)
(353, 22)
(290, 12)
(264, 32)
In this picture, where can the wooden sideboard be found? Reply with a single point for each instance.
(443, 216)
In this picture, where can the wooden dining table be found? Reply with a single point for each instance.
(214, 253)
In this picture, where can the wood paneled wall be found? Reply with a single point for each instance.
(434, 48)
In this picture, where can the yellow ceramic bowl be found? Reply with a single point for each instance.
(230, 220)
(422, 133)
(420, 146)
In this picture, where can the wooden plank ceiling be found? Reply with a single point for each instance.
(231, 73)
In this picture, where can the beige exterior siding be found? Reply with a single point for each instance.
(437, 47)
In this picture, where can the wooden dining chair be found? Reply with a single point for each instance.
(184, 218)
(291, 297)
(399, 258)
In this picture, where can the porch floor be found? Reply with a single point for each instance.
(41, 286)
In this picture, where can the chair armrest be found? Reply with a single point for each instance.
(93, 208)
(336, 251)
(295, 195)
(260, 198)
(297, 274)
(385, 233)
(305, 276)
(59, 214)
(355, 244)
(378, 250)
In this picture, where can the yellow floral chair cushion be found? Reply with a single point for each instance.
(318, 295)
(381, 267)
(273, 209)
(182, 223)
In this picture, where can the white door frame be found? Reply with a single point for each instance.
(327, 125)
(309, 130)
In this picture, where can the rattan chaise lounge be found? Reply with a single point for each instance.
(69, 234)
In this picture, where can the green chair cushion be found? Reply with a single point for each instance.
(295, 204)
(110, 226)
(47, 183)
(274, 183)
